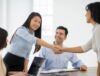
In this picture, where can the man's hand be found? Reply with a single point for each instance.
(83, 68)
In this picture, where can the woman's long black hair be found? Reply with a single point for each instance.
(38, 31)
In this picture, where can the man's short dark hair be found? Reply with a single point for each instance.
(63, 28)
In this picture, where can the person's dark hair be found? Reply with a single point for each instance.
(3, 37)
(94, 8)
(63, 28)
(38, 31)
(27, 23)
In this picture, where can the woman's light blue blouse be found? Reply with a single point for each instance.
(22, 42)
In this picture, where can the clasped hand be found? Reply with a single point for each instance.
(57, 49)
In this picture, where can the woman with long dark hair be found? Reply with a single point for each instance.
(93, 17)
(22, 41)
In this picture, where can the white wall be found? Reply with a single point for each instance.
(17, 12)
(71, 13)
(2, 13)
(13, 14)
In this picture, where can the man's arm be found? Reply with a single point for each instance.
(77, 63)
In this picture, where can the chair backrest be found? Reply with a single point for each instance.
(36, 64)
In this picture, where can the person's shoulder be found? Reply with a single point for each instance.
(46, 51)
(45, 48)
(97, 27)
(21, 29)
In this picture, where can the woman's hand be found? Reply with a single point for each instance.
(57, 49)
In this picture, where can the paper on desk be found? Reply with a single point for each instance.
(60, 70)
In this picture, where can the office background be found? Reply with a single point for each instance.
(68, 13)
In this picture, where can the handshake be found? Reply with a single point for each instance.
(57, 49)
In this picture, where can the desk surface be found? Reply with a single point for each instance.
(89, 72)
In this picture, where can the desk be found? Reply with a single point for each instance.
(89, 72)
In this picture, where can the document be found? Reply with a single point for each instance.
(60, 70)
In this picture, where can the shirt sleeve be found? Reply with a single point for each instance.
(87, 46)
(76, 63)
(24, 33)
(97, 41)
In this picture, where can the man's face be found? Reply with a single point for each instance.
(60, 35)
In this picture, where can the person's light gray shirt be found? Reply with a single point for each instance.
(22, 42)
(94, 42)
(58, 61)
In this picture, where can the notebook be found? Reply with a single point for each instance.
(60, 70)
